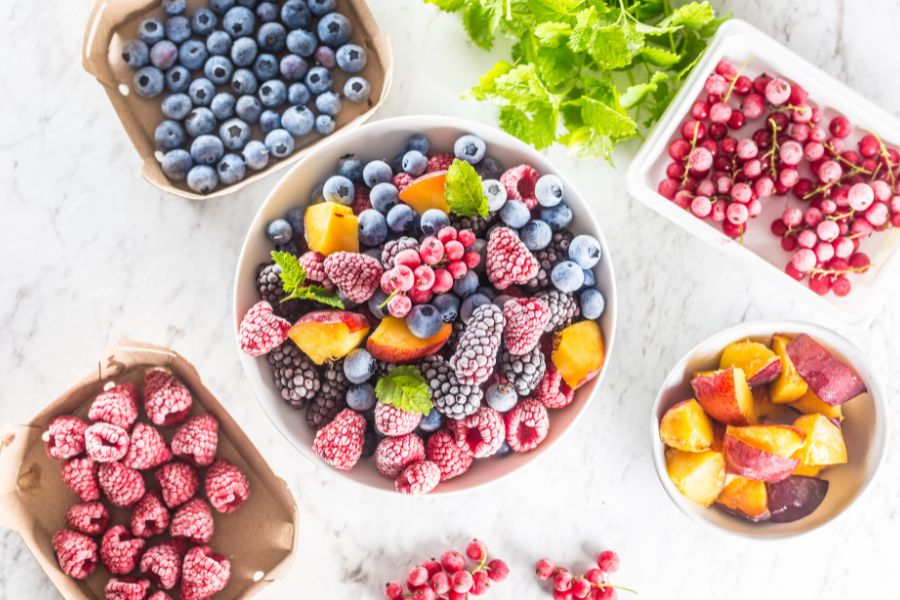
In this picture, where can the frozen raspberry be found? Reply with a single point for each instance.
(66, 437)
(402, 181)
(394, 454)
(393, 247)
(475, 355)
(418, 478)
(482, 433)
(451, 458)
(178, 483)
(552, 391)
(203, 573)
(356, 275)
(160, 595)
(150, 516)
(526, 319)
(314, 264)
(439, 162)
(117, 405)
(166, 400)
(196, 440)
(122, 485)
(340, 443)
(509, 262)
(120, 550)
(527, 425)
(90, 518)
(261, 331)
(519, 183)
(80, 476)
(390, 420)
(361, 200)
(226, 486)
(161, 564)
(193, 522)
(76, 553)
(147, 448)
(106, 442)
(126, 588)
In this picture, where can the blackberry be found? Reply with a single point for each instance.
(331, 400)
(294, 374)
(563, 308)
(556, 252)
(270, 289)
(393, 247)
(476, 352)
(451, 398)
(477, 224)
(524, 372)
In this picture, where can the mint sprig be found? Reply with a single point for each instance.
(463, 190)
(405, 388)
(293, 278)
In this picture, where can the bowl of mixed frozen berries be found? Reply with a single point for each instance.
(419, 307)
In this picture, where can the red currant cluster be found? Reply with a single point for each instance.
(721, 175)
(593, 584)
(449, 579)
(419, 274)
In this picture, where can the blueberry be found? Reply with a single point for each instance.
(232, 169)
(396, 163)
(202, 179)
(371, 440)
(176, 164)
(448, 306)
(470, 304)
(148, 82)
(488, 292)
(256, 155)
(328, 103)
(590, 280)
(383, 196)
(173, 8)
(239, 21)
(203, 22)
(136, 54)
(339, 189)
(466, 285)
(557, 217)
(377, 171)
(298, 120)
(248, 108)
(321, 7)
(176, 106)
(585, 251)
(334, 29)
(151, 31)
(207, 149)
(504, 450)
(325, 124)
(280, 143)
(220, 6)
(432, 421)
(222, 105)
(201, 92)
(536, 235)
(234, 133)
(269, 120)
(271, 37)
(359, 366)
(400, 218)
(373, 227)
(360, 397)
(433, 220)
(424, 321)
(351, 167)
(295, 14)
(163, 54)
(495, 192)
(377, 299)
(502, 397)
(351, 58)
(243, 51)
(592, 303)
(267, 12)
(298, 93)
(200, 121)
(318, 80)
(218, 69)
(357, 89)
(325, 57)
(515, 214)
(178, 79)
(292, 67)
(301, 42)
(567, 276)
(265, 67)
(279, 231)
(169, 135)
(414, 163)
(192, 54)
(178, 29)
(244, 82)
(218, 43)
(469, 148)
(549, 190)
(272, 93)
(489, 168)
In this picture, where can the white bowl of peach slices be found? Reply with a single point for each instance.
(769, 429)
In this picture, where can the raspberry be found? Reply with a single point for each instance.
(340, 443)
(147, 448)
(482, 433)
(394, 454)
(122, 485)
(80, 476)
(66, 437)
(120, 550)
(226, 486)
(527, 425)
(519, 183)
(117, 405)
(439, 162)
(106, 442)
(203, 573)
(451, 458)
(393, 247)
(178, 483)
(390, 420)
(126, 588)
(476, 351)
(196, 439)
(361, 200)
(356, 275)
(418, 478)
(552, 391)
(526, 319)
(76, 553)
(261, 331)
(90, 518)
(314, 263)
(166, 400)
(161, 564)
(193, 522)
(160, 595)
(150, 516)
(402, 181)
(508, 260)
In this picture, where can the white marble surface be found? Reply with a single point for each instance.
(91, 252)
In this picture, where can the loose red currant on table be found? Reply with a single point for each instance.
(544, 568)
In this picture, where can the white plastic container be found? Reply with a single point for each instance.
(739, 42)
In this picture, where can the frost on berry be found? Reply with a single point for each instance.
(227, 488)
(66, 437)
(90, 518)
(476, 352)
(106, 442)
(167, 401)
(482, 433)
(527, 425)
(552, 391)
(203, 573)
(150, 516)
(122, 485)
(394, 454)
(340, 443)
(80, 476)
(117, 405)
(418, 478)
(392, 421)
(126, 588)
(193, 522)
(509, 262)
(439, 162)
(196, 440)
(261, 331)
(178, 483)
(451, 458)
(526, 319)
(519, 183)
(356, 275)
(147, 448)
(161, 564)
(120, 551)
(76, 553)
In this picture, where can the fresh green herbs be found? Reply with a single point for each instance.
(293, 278)
(463, 190)
(405, 388)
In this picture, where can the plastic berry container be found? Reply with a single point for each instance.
(741, 43)
(378, 140)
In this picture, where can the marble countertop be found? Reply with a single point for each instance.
(91, 252)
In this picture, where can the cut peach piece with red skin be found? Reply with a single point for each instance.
(795, 498)
(699, 476)
(725, 396)
(325, 335)
(393, 342)
(762, 452)
(745, 498)
(427, 192)
(833, 381)
(824, 444)
(788, 386)
(759, 363)
(686, 427)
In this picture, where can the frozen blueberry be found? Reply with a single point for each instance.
(549, 190)
(136, 54)
(173, 8)
(201, 91)
(256, 154)
(373, 227)
(218, 43)
(301, 42)
(234, 133)
(163, 54)
(557, 217)
(292, 67)
(151, 31)
(200, 121)
(433, 220)
(220, 6)
(414, 163)
(272, 93)
(271, 37)
(298, 120)
(295, 14)
(202, 179)
(325, 124)
(328, 103)
(148, 82)
(244, 81)
(502, 397)
(432, 421)
(269, 120)
(384, 196)
(470, 304)
(357, 89)
(218, 69)
(231, 169)
(176, 106)
(192, 54)
(489, 168)
(536, 235)
(424, 321)
(266, 12)
(243, 51)
(321, 7)
(203, 22)
(567, 276)
(515, 214)
(377, 171)
(359, 366)
(504, 450)
(265, 67)
(339, 189)
(178, 29)
(590, 280)
(360, 397)
(239, 21)
(248, 108)
(279, 231)
(334, 29)
(325, 57)
(400, 218)
(378, 299)
(466, 285)
(169, 135)
(177, 79)
(448, 306)
(585, 251)
(419, 143)
(351, 167)
(280, 143)
(469, 148)
(223, 105)
(207, 149)
(351, 58)
(176, 164)
(495, 192)
(298, 93)
(592, 303)
(318, 80)
(295, 217)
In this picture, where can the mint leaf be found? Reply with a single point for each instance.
(447, 5)
(636, 93)
(552, 32)
(693, 16)
(405, 388)
(292, 272)
(481, 19)
(318, 294)
(463, 190)
(659, 57)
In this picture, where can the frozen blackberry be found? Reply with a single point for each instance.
(477, 224)
(393, 247)
(332, 398)
(270, 289)
(524, 372)
(563, 308)
(451, 398)
(294, 374)
(476, 352)
(556, 252)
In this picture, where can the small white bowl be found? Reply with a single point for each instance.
(383, 139)
(864, 427)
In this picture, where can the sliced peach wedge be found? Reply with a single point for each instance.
(810, 404)
(763, 452)
(427, 192)
(686, 427)
(325, 335)
(745, 498)
(699, 476)
(331, 227)
(725, 395)
(824, 444)
(392, 341)
(788, 386)
(578, 352)
(759, 363)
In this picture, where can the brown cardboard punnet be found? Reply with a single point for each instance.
(113, 23)
(258, 538)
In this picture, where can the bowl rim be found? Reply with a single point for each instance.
(735, 332)
(424, 123)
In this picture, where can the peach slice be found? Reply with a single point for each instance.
(393, 342)
(833, 381)
(329, 334)
(810, 404)
(578, 352)
(331, 227)
(824, 444)
(725, 395)
(686, 427)
(699, 476)
(789, 386)
(745, 498)
(760, 365)
(427, 192)
(763, 452)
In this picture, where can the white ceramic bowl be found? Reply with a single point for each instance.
(864, 427)
(383, 139)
